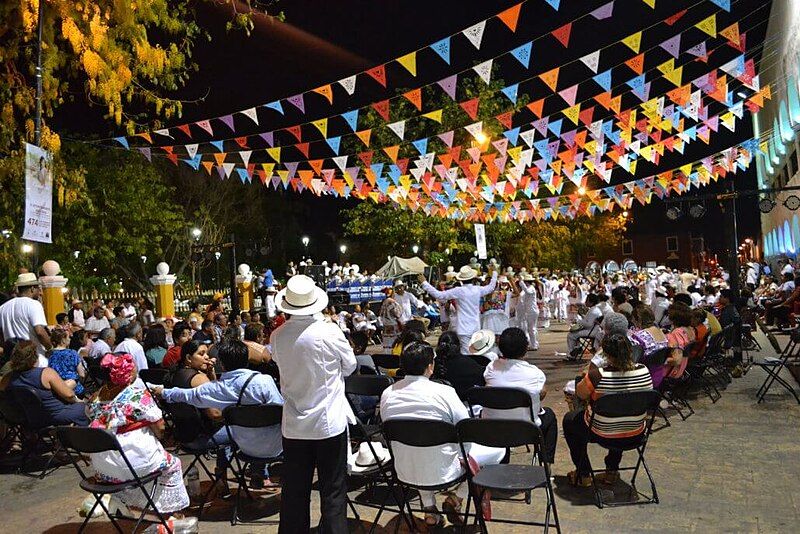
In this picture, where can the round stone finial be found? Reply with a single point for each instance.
(51, 268)
(244, 269)
(162, 268)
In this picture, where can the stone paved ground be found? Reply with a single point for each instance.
(732, 467)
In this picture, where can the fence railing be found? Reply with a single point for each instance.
(183, 298)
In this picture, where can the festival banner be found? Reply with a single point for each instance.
(38, 194)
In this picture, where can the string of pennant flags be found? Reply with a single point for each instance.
(522, 54)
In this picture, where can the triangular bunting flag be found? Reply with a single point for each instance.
(409, 61)
(434, 115)
(604, 11)
(672, 45)
(471, 107)
(510, 92)
(592, 61)
(399, 128)
(443, 49)
(298, 102)
(550, 78)
(563, 33)
(523, 54)
(708, 25)
(322, 126)
(349, 84)
(604, 80)
(251, 114)
(325, 91)
(449, 85)
(277, 106)
(382, 108)
(415, 97)
(636, 63)
(378, 74)
(351, 117)
(475, 34)
(484, 70)
(364, 135)
(634, 42)
(569, 94)
(669, 21)
(510, 17)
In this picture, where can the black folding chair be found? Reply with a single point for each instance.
(192, 437)
(96, 375)
(627, 404)
(36, 423)
(585, 343)
(369, 386)
(421, 433)
(13, 416)
(507, 433)
(252, 416)
(78, 441)
(773, 366)
(481, 360)
(499, 398)
(386, 362)
(158, 377)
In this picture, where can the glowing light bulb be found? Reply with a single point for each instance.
(581, 190)
(481, 137)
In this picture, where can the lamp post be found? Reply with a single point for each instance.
(217, 255)
(196, 233)
(27, 250)
(415, 249)
(342, 252)
(305, 240)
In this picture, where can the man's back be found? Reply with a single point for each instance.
(19, 315)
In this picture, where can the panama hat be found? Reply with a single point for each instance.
(399, 283)
(366, 460)
(527, 277)
(27, 279)
(503, 279)
(466, 273)
(481, 342)
(301, 297)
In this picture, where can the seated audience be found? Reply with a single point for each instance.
(482, 343)
(257, 352)
(181, 333)
(80, 343)
(60, 404)
(681, 335)
(650, 338)
(619, 375)
(125, 408)
(206, 333)
(103, 345)
(131, 343)
(511, 371)
(415, 396)
(97, 321)
(66, 362)
(461, 371)
(195, 368)
(155, 345)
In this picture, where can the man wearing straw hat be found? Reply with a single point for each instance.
(314, 357)
(22, 319)
(468, 302)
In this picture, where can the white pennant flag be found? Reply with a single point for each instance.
(592, 60)
(251, 114)
(164, 132)
(349, 84)
(417, 173)
(192, 150)
(475, 128)
(527, 137)
(475, 34)
(399, 128)
(484, 70)
(341, 162)
(427, 160)
(228, 167)
(245, 155)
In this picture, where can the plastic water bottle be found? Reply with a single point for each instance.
(187, 525)
(193, 483)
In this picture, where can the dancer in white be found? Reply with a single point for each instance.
(528, 310)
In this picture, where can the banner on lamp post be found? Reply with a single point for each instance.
(38, 194)
(480, 241)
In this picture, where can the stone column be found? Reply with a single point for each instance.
(53, 285)
(165, 296)
(244, 286)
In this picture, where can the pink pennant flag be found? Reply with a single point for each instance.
(298, 102)
(447, 138)
(672, 45)
(569, 94)
(205, 125)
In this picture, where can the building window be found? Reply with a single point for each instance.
(627, 247)
(790, 164)
(672, 243)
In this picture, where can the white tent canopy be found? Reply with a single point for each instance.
(397, 267)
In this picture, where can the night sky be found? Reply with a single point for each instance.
(322, 42)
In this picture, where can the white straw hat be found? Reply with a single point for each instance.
(301, 297)
(466, 273)
(27, 279)
(366, 460)
(481, 342)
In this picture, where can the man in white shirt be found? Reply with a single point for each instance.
(467, 320)
(416, 397)
(586, 323)
(405, 300)
(660, 305)
(132, 344)
(788, 268)
(22, 318)
(314, 357)
(97, 322)
(128, 310)
(511, 371)
(103, 345)
(76, 317)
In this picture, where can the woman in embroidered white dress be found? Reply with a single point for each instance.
(127, 410)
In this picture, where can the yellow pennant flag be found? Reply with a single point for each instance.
(409, 61)
(268, 168)
(708, 25)
(633, 41)
(284, 175)
(633, 167)
(675, 76)
(686, 169)
(573, 113)
(275, 153)
(651, 3)
(322, 126)
(434, 115)
(667, 66)
(731, 33)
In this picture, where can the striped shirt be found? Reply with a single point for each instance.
(603, 381)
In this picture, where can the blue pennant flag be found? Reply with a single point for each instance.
(724, 4)
(352, 119)
(603, 80)
(123, 141)
(421, 145)
(194, 162)
(511, 92)
(394, 173)
(554, 3)
(443, 49)
(555, 126)
(377, 168)
(276, 106)
(218, 145)
(523, 54)
(334, 143)
(243, 175)
(541, 149)
(512, 135)
(637, 83)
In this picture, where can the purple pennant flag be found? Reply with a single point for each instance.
(447, 138)
(228, 120)
(269, 138)
(146, 152)
(449, 85)
(291, 166)
(221, 172)
(541, 125)
(672, 45)
(698, 50)
(604, 11)
(569, 137)
(298, 102)
(275, 180)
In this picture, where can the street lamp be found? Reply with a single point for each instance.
(415, 249)
(196, 233)
(26, 248)
(217, 255)
(343, 248)
(305, 240)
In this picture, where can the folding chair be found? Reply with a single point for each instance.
(498, 398)
(675, 390)
(188, 432)
(94, 440)
(626, 405)
(507, 477)
(12, 414)
(386, 362)
(158, 377)
(96, 375)
(585, 343)
(655, 360)
(774, 365)
(251, 416)
(369, 386)
(35, 422)
(421, 433)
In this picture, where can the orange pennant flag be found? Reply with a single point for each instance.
(219, 157)
(536, 107)
(364, 135)
(325, 91)
(510, 17)
(636, 63)
(316, 164)
(146, 136)
(415, 97)
(378, 74)
(392, 152)
(471, 107)
(382, 108)
(550, 78)
(731, 33)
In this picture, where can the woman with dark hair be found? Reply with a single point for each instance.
(461, 371)
(80, 343)
(146, 316)
(66, 362)
(681, 335)
(620, 374)
(650, 338)
(195, 368)
(155, 345)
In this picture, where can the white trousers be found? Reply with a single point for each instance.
(481, 454)
(529, 322)
(464, 342)
(572, 338)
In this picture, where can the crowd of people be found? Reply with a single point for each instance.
(489, 319)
